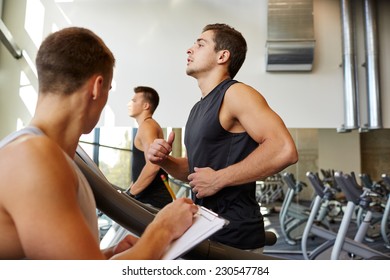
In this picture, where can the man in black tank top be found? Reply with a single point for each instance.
(147, 184)
(232, 137)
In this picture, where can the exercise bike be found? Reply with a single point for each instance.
(337, 244)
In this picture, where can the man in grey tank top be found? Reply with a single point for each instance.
(233, 138)
(41, 213)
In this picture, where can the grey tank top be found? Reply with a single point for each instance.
(86, 199)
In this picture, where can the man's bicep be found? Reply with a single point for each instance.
(257, 118)
(148, 135)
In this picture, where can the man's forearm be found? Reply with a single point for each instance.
(145, 178)
(151, 246)
(176, 167)
(258, 165)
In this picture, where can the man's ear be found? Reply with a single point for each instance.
(224, 56)
(97, 85)
(146, 105)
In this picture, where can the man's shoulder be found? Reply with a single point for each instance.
(39, 145)
(31, 164)
(149, 130)
(238, 91)
(32, 153)
(237, 85)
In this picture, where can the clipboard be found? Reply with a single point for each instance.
(205, 224)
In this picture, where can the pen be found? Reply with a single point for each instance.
(165, 180)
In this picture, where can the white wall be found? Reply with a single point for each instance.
(339, 151)
(150, 37)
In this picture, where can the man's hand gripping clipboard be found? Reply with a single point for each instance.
(205, 224)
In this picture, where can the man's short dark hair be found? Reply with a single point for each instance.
(150, 95)
(67, 58)
(227, 38)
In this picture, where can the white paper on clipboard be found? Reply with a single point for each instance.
(206, 223)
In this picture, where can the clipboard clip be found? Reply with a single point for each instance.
(206, 213)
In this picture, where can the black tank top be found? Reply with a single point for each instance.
(156, 193)
(208, 144)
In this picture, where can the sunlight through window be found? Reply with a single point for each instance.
(35, 16)
(27, 93)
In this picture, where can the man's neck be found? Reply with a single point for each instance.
(209, 83)
(64, 126)
(141, 118)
